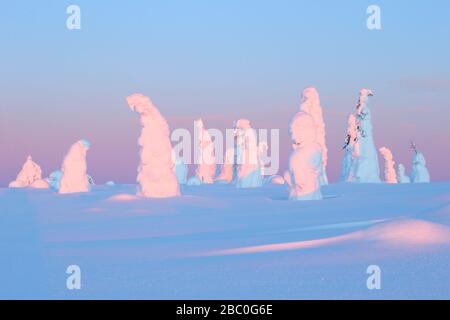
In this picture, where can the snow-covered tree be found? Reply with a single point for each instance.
(206, 168)
(311, 105)
(365, 164)
(227, 173)
(390, 176)
(180, 169)
(401, 174)
(248, 168)
(156, 177)
(419, 171)
(349, 147)
(29, 176)
(305, 162)
(74, 178)
(54, 179)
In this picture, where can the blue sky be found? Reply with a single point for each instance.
(221, 60)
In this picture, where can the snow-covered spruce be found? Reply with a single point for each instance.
(29, 176)
(54, 179)
(227, 172)
(349, 148)
(156, 177)
(390, 176)
(181, 170)
(311, 105)
(365, 165)
(419, 171)
(206, 166)
(248, 168)
(401, 174)
(305, 161)
(74, 178)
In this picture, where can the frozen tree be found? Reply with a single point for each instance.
(248, 168)
(74, 178)
(29, 176)
(390, 176)
(262, 149)
(311, 105)
(419, 171)
(179, 168)
(401, 174)
(181, 171)
(349, 147)
(227, 173)
(305, 161)
(206, 168)
(365, 164)
(54, 179)
(156, 177)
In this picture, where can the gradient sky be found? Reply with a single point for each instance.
(220, 60)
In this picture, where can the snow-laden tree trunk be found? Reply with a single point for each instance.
(401, 174)
(227, 172)
(419, 171)
(206, 167)
(248, 167)
(311, 105)
(74, 178)
(390, 176)
(347, 174)
(365, 167)
(156, 177)
(305, 162)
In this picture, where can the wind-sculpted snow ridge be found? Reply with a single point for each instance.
(365, 164)
(305, 161)
(156, 177)
(74, 178)
(311, 105)
(30, 176)
(247, 156)
(390, 176)
(406, 234)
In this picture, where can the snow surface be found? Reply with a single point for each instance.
(220, 242)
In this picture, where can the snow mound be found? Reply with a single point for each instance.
(409, 233)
